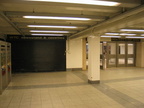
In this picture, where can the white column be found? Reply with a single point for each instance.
(94, 59)
(84, 67)
(140, 54)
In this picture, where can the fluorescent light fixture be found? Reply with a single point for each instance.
(127, 34)
(122, 34)
(44, 31)
(57, 18)
(142, 34)
(47, 34)
(89, 2)
(111, 36)
(51, 26)
(112, 33)
(135, 30)
(135, 37)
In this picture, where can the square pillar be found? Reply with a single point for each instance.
(84, 67)
(140, 54)
(94, 59)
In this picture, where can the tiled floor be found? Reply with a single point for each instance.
(119, 88)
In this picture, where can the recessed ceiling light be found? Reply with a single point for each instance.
(127, 34)
(89, 2)
(135, 37)
(44, 31)
(47, 34)
(112, 33)
(57, 18)
(111, 36)
(122, 34)
(51, 26)
(136, 30)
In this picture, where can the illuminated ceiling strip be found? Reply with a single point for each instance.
(135, 37)
(89, 2)
(135, 30)
(51, 26)
(43, 31)
(112, 33)
(57, 18)
(47, 34)
(112, 36)
(127, 34)
(122, 34)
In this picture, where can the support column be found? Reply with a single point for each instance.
(94, 59)
(140, 54)
(84, 54)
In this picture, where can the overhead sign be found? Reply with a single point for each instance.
(12, 37)
(125, 39)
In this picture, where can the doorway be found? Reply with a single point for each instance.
(117, 54)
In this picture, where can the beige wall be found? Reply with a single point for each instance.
(74, 53)
(140, 54)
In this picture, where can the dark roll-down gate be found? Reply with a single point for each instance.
(44, 54)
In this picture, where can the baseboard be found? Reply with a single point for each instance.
(93, 82)
(74, 69)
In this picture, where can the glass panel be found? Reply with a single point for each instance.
(101, 62)
(130, 60)
(121, 61)
(86, 50)
(100, 48)
(130, 49)
(112, 61)
(121, 48)
(112, 48)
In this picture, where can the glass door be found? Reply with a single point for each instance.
(103, 51)
(118, 54)
(111, 54)
(121, 54)
(130, 60)
(101, 55)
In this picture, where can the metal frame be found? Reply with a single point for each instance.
(5, 78)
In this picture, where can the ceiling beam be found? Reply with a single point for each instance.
(113, 23)
(2, 15)
(20, 14)
(23, 24)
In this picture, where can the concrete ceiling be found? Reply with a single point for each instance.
(129, 14)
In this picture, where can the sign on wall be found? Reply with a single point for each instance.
(125, 39)
(18, 37)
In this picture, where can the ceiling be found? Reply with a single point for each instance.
(103, 19)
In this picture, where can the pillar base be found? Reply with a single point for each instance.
(93, 82)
